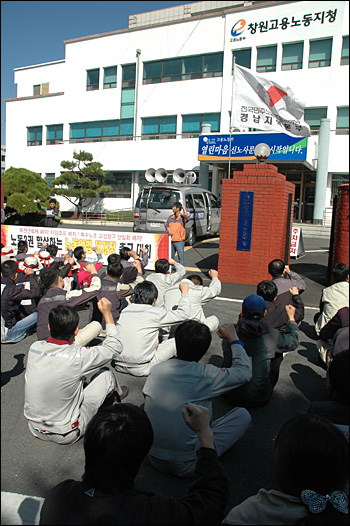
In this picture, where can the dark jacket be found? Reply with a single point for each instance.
(74, 502)
(277, 317)
(109, 290)
(27, 306)
(11, 297)
(339, 321)
(56, 296)
(51, 221)
(262, 344)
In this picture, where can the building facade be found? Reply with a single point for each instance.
(3, 158)
(137, 98)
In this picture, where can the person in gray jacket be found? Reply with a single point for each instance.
(285, 278)
(57, 406)
(162, 278)
(198, 296)
(139, 325)
(183, 380)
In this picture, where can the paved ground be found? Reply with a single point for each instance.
(31, 467)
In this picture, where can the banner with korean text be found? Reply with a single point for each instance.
(108, 242)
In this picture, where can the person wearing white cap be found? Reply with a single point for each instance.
(28, 306)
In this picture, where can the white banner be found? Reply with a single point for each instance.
(265, 105)
(108, 242)
(294, 242)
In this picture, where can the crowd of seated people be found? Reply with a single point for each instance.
(156, 327)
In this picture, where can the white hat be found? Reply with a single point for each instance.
(30, 262)
(45, 258)
(5, 258)
(8, 251)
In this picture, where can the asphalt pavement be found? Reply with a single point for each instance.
(30, 467)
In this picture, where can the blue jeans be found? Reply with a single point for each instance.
(179, 247)
(18, 331)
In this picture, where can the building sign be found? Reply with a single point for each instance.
(108, 242)
(283, 147)
(263, 26)
(245, 219)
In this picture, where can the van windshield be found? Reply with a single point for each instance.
(158, 198)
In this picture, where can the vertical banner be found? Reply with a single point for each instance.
(107, 242)
(245, 220)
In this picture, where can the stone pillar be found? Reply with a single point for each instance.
(268, 195)
(322, 171)
(341, 232)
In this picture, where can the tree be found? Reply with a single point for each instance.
(83, 179)
(21, 188)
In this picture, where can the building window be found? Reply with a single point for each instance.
(120, 183)
(41, 89)
(127, 103)
(337, 180)
(49, 178)
(243, 57)
(128, 76)
(95, 131)
(313, 118)
(183, 68)
(320, 53)
(266, 60)
(343, 121)
(159, 127)
(344, 61)
(292, 57)
(34, 135)
(92, 79)
(54, 134)
(192, 124)
(110, 77)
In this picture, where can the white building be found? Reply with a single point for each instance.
(116, 94)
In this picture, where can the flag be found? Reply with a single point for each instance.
(265, 105)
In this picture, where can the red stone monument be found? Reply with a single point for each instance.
(256, 222)
(341, 232)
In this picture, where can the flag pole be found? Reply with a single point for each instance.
(233, 83)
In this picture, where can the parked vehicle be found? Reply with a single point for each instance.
(155, 202)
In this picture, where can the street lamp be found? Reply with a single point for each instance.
(262, 152)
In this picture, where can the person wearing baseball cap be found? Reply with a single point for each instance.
(265, 346)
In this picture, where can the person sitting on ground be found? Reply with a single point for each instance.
(308, 476)
(53, 215)
(84, 278)
(139, 328)
(164, 280)
(28, 306)
(265, 346)
(337, 407)
(113, 291)
(116, 442)
(334, 335)
(126, 253)
(276, 316)
(53, 249)
(57, 295)
(184, 380)
(8, 253)
(14, 325)
(285, 278)
(333, 298)
(56, 406)
(198, 296)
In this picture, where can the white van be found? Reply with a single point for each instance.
(154, 206)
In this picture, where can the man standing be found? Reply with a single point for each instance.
(53, 215)
(175, 227)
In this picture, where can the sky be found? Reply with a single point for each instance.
(34, 32)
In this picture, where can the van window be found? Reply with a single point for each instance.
(189, 201)
(198, 200)
(159, 198)
(213, 201)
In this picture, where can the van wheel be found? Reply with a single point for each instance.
(191, 237)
